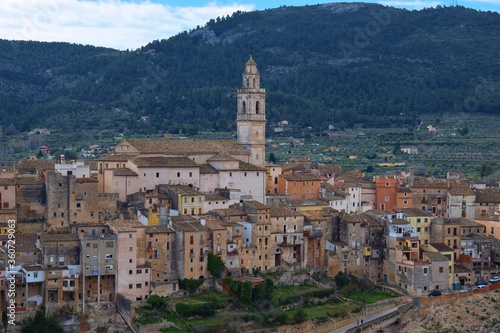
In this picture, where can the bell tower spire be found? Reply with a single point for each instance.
(251, 118)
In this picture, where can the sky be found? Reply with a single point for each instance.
(130, 24)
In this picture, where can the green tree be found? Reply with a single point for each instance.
(272, 158)
(299, 316)
(41, 324)
(341, 280)
(156, 301)
(215, 265)
(246, 293)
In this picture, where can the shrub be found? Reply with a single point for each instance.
(200, 309)
(299, 316)
(191, 285)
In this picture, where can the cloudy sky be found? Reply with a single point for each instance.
(129, 24)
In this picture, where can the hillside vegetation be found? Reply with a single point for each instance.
(348, 64)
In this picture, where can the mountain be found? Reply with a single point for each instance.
(350, 64)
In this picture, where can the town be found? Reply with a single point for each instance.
(137, 222)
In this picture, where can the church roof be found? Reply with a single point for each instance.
(162, 161)
(251, 62)
(124, 172)
(222, 157)
(186, 147)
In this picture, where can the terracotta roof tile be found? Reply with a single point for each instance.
(488, 195)
(187, 146)
(124, 172)
(161, 161)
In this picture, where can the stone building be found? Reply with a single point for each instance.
(99, 261)
(192, 245)
(61, 261)
(139, 165)
(133, 272)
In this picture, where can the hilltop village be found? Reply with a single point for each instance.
(134, 223)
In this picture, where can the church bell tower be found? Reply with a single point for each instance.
(251, 119)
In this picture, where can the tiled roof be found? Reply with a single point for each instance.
(488, 195)
(470, 223)
(300, 177)
(222, 157)
(430, 183)
(412, 212)
(158, 229)
(125, 225)
(160, 161)
(190, 227)
(124, 172)
(34, 166)
(250, 167)
(187, 146)
(441, 247)
(215, 197)
(58, 238)
(26, 243)
(316, 215)
(114, 158)
(232, 211)
(207, 168)
(179, 189)
(460, 187)
(213, 222)
(435, 256)
(283, 211)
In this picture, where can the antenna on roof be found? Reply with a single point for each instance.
(250, 48)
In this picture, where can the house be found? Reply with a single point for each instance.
(460, 200)
(487, 202)
(191, 247)
(286, 241)
(61, 260)
(98, 258)
(386, 190)
(160, 242)
(133, 271)
(299, 185)
(421, 221)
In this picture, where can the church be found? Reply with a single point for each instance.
(138, 165)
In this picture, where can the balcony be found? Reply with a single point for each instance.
(285, 242)
(316, 232)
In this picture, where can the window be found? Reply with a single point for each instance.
(157, 175)
(130, 272)
(130, 286)
(178, 174)
(130, 248)
(441, 269)
(386, 198)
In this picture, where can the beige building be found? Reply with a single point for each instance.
(160, 252)
(421, 221)
(192, 245)
(185, 199)
(134, 273)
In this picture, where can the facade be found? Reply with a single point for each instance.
(299, 185)
(386, 192)
(460, 200)
(133, 272)
(251, 119)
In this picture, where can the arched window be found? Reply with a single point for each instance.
(257, 107)
(248, 82)
(244, 107)
(253, 83)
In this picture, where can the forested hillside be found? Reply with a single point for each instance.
(347, 64)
